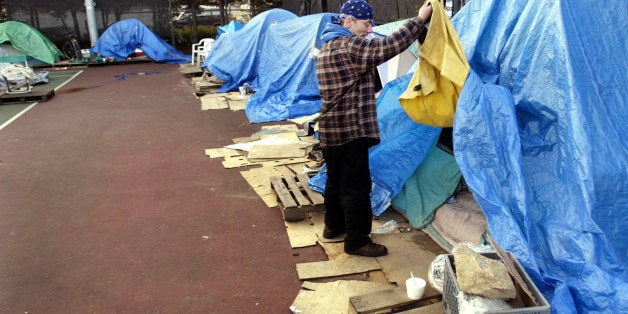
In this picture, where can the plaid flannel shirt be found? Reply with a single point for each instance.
(345, 68)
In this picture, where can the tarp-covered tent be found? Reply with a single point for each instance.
(234, 56)
(275, 54)
(231, 27)
(121, 39)
(540, 137)
(30, 41)
(286, 86)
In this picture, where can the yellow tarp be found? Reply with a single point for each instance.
(433, 91)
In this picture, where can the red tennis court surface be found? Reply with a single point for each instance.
(109, 204)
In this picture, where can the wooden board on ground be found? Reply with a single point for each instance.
(259, 180)
(236, 162)
(221, 152)
(291, 150)
(236, 105)
(204, 87)
(387, 300)
(331, 297)
(213, 102)
(295, 198)
(284, 161)
(301, 233)
(407, 252)
(433, 308)
(339, 267)
(190, 70)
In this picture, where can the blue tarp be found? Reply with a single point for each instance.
(540, 137)
(231, 27)
(234, 56)
(122, 38)
(286, 86)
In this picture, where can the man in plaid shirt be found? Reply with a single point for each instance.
(345, 68)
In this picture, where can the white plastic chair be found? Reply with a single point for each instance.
(201, 49)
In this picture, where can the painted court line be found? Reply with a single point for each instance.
(35, 103)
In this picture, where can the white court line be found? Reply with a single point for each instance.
(35, 103)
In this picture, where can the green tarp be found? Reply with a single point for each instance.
(30, 41)
(433, 182)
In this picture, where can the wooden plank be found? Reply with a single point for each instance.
(282, 192)
(386, 300)
(235, 162)
(345, 266)
(296, 191)
(317, 198)
(221, 152)
(284, 161)
(301, 233)
(332, 297)
(276, 151)
(432, 308)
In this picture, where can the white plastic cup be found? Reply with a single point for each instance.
(415, 287)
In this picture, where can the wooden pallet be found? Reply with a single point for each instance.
(34, 95)
(394, 300)
(295, 198)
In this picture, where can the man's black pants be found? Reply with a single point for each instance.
(347, 191)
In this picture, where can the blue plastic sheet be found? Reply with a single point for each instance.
(231, 27)
(234, 56)
(122, 38)
(540, 137)
(286, 86)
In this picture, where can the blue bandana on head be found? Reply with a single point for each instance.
(358, 9)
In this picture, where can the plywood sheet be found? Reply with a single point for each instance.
(210, 101)
(331, 297)
(339, 267)
(301, 233)
(236, 162)
(291, 150)
(408, 252)
(236, 105)
(221, 152)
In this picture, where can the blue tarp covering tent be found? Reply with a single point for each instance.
(277, 62)
(540, 137)
(231, 27)
(234, 56)
(122, 38)
(286, 86)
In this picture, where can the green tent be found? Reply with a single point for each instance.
(30, 41)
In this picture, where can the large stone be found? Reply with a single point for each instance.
(483, 276)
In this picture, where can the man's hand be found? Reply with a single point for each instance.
(425, 12)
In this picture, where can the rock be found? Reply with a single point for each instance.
(483, 276)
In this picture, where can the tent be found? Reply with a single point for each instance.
(539, 136)
(231, 27)
(122, 38)
(286, 86)
(234, 56)
(278, 63)
(29, 41)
